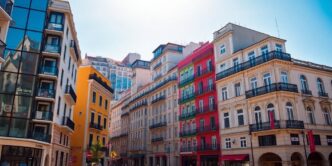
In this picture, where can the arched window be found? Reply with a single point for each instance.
(311, 116)
(320, 86)
(284, 77)
(289, 109)
(270, 111)
(304, 83)
(327, 116)
(258, 115)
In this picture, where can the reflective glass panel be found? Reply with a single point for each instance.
(39, 4)
(7, 82)
(4, 123)
(12, 60)
(19, 16)
(29, 63)
(32, 41)
(14, 38)
(22, 3)
(22, 106)
(25, 85)
(18, 128)
(36, 20)
(6, 102)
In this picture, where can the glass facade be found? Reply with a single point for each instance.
(19, 74)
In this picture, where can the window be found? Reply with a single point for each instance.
(56, 158)
(237, 88)
(209, 65)
(226, 120)
(228, 143)
(317, 140)
(222, 67)
(60, 140)
(92, 118)
(295, 140)
(214, 142)
(211, 103)
(104, 141)
(267, 79)
(289, 109)
(64, 53)
(100, 100)
(320, 86)
(329, 139)
(258, 115)
(224, 93)
(199, 72)
(253, 83)
(327, 117)
(212, 123)
(270, 111)
(59, 104)
(93, 97)
(106, 104)
(236, 64)
(251, 56)
(240, 117)
(278, 47)
(90, 139)
(284, 77)
(105, 123)
(222, 49)
(264, 50)
(304, 83)
(311, 116)
(243, 142)
(201, 124)
(201, 105)
(61, 79)
(267, 140)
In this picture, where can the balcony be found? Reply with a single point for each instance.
(70, 94)
(207, 128)
(254, 62)
(157, 66)
(160, 98)
(43, 115)
(288, 124)
(48, 94)
(205, 90)
(206, 109)
(186, 81)
(187, 98)
(271, 88)
(323, 94)
(188, 149)
(157, 139)
(306, 92)
(48, 71)
(53, 49)
(124, 114)
(55, 27)
(208, 147)
(204, 72)
(186, 116)
(138, 105)
(66, 121)
(188, 133)
(41, 137)
(74, 50)
(95, 126)
(157, 77)
(7, 5)
(101, 82)
(158, 125)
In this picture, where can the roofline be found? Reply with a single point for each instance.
(169, 43)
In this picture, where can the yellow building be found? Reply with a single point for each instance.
(91, 115)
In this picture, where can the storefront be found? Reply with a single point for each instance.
(22, 156)
(235, 160)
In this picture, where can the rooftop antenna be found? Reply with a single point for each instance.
(277, 27)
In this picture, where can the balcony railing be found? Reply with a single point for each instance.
(158, 99)
(74, 46)
(306, 92)
(101, 82)
(204, 90)
(68, 122)
(271, 88)
(187, 98)
(189, 115)
(323, 94)
(41, 137)
(207, 128)
(186, 81)
(288, 124)
(52, 48)
(188, 149)
(96, 126)
(157, 77)
(43, 115)
(204, 72)
(47, 93)
(188, 133)
(55, 26)
(157, 139)
(158, 125)
(49, 70)
(254, 62)
(71, 92)
(208, 147)
(157, 65)
(124, 114)
(207, 109)
(7, 5)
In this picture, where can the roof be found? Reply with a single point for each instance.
(164, 45)
(196, 54)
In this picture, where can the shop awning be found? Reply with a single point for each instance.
(235, 157)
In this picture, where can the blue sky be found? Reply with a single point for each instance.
(113, 28)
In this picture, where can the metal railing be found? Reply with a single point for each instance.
(158, 99)
(55, 26)
(48, 93)
(52, 48)
(157, 65)
(188, 149)
(323, 94)
(101, 82)
(271, 88)
(204, 90)
(186, 81)
(68, 122)
(185, 116)
(204, 72)
(207, 128)
(41, 137)
(306, 92)
(187, 98)
(254, 62)
(157, 125)
(43, 115)
(208, 147)
(96, 126)
(188, 133)
(288, 124)
(157, 139)
(206, 109)
(74, 46)
(48, 70)
(71, 92)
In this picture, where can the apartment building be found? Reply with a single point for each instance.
(200, 139)
(91, 116)
(273, 109)
(38, 82)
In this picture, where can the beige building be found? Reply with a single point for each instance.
(269, 102)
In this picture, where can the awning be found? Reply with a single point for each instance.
(235, 157)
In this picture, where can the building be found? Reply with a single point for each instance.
(91, 116)
(119, 73)
(199, 122)
(273, 109)
(38, 79)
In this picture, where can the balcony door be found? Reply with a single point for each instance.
(258, 116)
(271, 113)
(40, 132)
(49, 66)
(203, 143)
(251, 58)
(267, 81)
(46, 89)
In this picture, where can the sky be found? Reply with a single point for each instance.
(114, 28)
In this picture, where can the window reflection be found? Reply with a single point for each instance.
(22, 106)
(29, 63)
(4, 122)
(19, 16)
(22, 3)
(14, 39)
(32, 41)
(18, 128)
(7, 82)
(12, 59)
(36, 20)
(6, 105)
(25, 85)
(39, 4)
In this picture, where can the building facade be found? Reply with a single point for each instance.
(41, 58)
(274, 110)
(199, 126)
(91, 116)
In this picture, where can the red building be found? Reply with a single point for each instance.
(199, 123)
